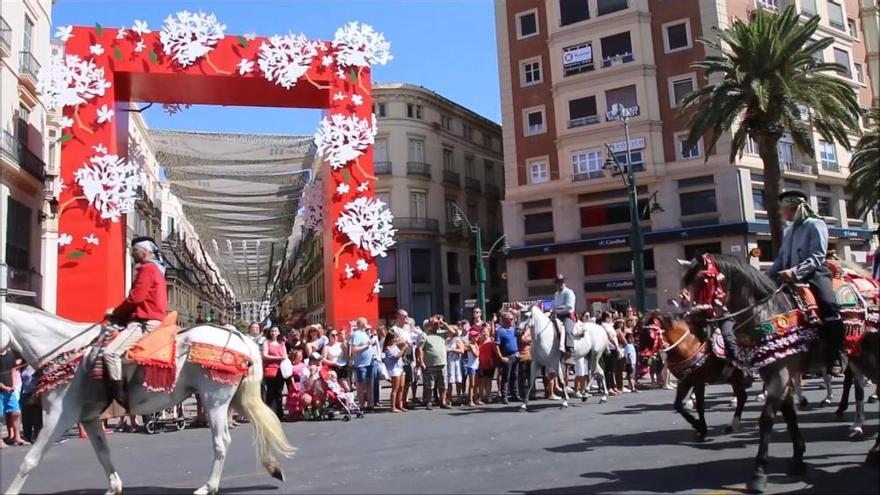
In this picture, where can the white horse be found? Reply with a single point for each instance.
(590, 339)
(37, 336)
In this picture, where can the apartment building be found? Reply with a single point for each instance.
(564, 63)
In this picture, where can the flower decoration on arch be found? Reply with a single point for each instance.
(284, 59)
(341, 139)
(69, 80)
(110, 184)
(368, 225)
(359, 45)
(312, 203)
(188, 36)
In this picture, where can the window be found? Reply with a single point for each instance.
(823, 206)
(470, 169)
(636, 159)
(473, 213)
(467, 132)
(18, 235)
(416, 151)
(693, 250)
(828, 155)
(587, 162)
(448, 163)
(387, 267)
(808, 7)
(538, 223)
(531, 72)
(768, 4)
(446, 122)
(835, 16)
(380, 151)
(751, 148)
(616, 49)
(534, 122)
(414, 111)
(582, 111)
(527, 24)
(698, 202)
(418, 204)
(676, 35)
(450, 210)
(489, 171)
(453, 273)
(577, 58)
(688, 152)
(541, 269)
(538, 172)
(758, 199)
(625, 96)
(420, 265)
(679, 88)
(24, 117)
(860, 73)
(619, 262)
(604, 7)
(842, 57)
(385, 197)
(852, 210)
(852, 28)
(28, 35)
(487, 139)
(785, 150)
(819, 57)
(572, 11)
(766, 247)
(380, 110)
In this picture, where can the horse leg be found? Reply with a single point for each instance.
(739, 390)
(855, 430)
(797, 467)
(99, 442)
(217, 405)
(873, 456)
(844, 394)
(599, 373)
(775, 390)
(57, 421)
(700, 391)
(533, 374)
(829, 396)
(798, 385)
(682, 391)
(564, 387)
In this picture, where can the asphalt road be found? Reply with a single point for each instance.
(633, 444)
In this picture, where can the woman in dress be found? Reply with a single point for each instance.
(273, 354)
(393, 350)
(334, 357)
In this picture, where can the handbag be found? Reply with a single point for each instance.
(383, 370)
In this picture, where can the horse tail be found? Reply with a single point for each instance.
(269, 436)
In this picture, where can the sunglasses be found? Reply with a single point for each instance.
(334, 334)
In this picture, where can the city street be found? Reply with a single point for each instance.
(633, 444)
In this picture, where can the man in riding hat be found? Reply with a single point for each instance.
(802, 259)
(564, 308)
(141, 312)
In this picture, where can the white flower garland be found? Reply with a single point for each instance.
(70, 80)
(359, 45)
(110, 184)
(284, 59)
(368, 225)
(187, 36)
(341, 139)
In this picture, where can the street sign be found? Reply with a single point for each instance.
(470, 303)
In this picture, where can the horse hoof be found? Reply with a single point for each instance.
(873, 457)
(564, 405)
(758, 483)
(205, 490)
(797, 468)
(826, 402)
(872, 399)
(603, 400)
(730, 429)
(838, 415)
(523, 408)
(856, 432)
(584, 398)
(803, 404)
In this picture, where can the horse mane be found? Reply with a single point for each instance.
(36, 311)
(737, 271)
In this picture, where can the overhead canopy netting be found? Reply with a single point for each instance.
(241, 193)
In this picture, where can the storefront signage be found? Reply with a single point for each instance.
(577, 56)
(613, 241)
(616, 285)
(634, 144)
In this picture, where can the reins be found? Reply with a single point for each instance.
(58, 348)
(679, 341)
(747, 308)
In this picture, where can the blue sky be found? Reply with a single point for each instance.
(447, 46)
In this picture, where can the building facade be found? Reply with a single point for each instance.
(431, 154)
(27, 255)
(564, 63)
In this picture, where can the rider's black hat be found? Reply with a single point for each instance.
(794, 193)
(142, 239)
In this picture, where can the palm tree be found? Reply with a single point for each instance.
(864, 177)
(761, 74)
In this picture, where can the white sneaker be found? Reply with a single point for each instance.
(669, 386)
(626, 390)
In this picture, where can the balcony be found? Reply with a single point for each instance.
(580, 122)
(5, 38)
(472, 184)
(382, 168)
(413, 224)
(830, 166)
(493, 191)
(800, 168)
(28, 68)
(618, 59)
(418, 169)
(591, 175)
(451, 178)
(16, 152)
(20, 286)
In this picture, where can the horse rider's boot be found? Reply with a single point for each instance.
(118, 393)
(832, 333)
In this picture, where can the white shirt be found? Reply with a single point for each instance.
(564, 301)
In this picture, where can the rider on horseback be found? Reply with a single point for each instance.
(802, 259)
(140, 313)
(564, 307)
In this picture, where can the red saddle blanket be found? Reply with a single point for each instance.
(223, 365)
(156, 353)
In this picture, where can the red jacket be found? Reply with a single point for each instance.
(148, 299)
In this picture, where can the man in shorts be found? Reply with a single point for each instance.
(9, 398)
(431, 358)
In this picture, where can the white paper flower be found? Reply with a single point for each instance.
(342, 188)
(215, 246)
(96, 49)
(121, 33)
(250, 36)
(187, 36)
(65, 122)
(368, 225)
(69, 80)
(61, 186)
(359, 45)
(326, 60)
(340, 73)
(105, 114)
(363, 187)
(92, 239)
(100, 148)
(110, 184)
(377, 287)
(65, 239)
(312, 204)
(64, 33)
(175, 108)
(358, 100)
(362, 265)
(140, 27)
(349, 271)
(339, 96)
(139, 46)
(245, 66)
(340, 138)
(284, 59)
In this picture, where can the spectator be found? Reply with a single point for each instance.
(454, 350)
(629, 350)
(256, 334)
(315, 340)
(297, 399)
(293, 340)
(334, 356)
(524, 344)
(333, 385)
(377, 336)
(404, 330)
(9, 398)
(432, 361)
(472, 367)
(507, 352)
(273, 354)
(393, 350)
(362, 359)
(620, 358)
(609, 360)
(486, 346)
(31, 406)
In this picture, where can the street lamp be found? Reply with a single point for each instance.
(458, 218)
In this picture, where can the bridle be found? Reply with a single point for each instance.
(677, 342)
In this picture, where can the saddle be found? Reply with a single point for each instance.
(156, 353)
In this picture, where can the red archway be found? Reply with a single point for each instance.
(112, 67)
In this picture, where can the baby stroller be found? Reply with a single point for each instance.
(333, 404)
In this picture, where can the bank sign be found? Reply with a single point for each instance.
(619, 284)
(577, 56)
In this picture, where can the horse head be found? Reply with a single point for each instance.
(5, 336)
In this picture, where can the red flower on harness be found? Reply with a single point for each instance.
(710, 294)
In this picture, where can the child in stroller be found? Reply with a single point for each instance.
(336, 399)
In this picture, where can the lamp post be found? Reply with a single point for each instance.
(481, 255)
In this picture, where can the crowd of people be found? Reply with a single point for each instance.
(466, 363)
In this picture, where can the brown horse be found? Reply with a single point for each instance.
(692, 360)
